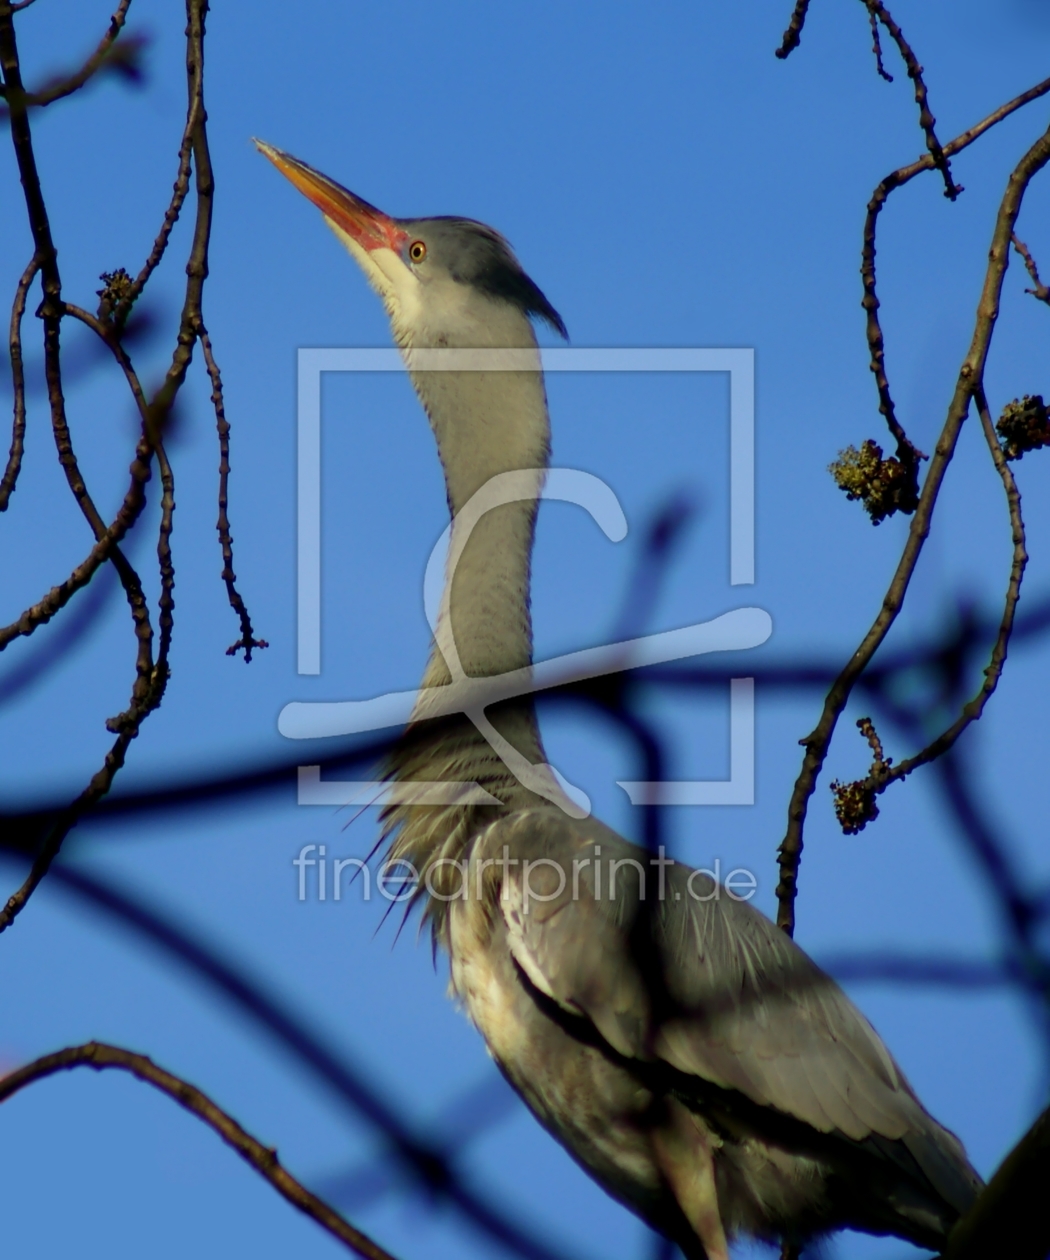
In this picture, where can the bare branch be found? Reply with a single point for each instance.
(927, 122)
(57, 598)
(262, 1158)
(171, 215)
(881, 775)
(1009, 1217)
(793, 34)
(876, 47)
(907, 454)
(247, 641)
(969, 380)
(105, 57)
(18, 381)
(1041, 291)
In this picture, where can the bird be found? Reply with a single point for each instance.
(686, 1052)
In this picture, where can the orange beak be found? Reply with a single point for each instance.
(363, 223)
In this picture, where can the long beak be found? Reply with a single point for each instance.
(369, 227)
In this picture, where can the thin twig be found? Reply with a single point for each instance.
(1041, 291)
(926, 119)
(790, 852)
(18, 383)
(149, 683)
(171, 216)
(876, 47)
(69, 84)
(154, 438)
(166, 599)
(969, 379)
(907, 453)
(974, 708)
(793, 34)
(262, 1158)
(247, 641)
(100, 784)
(197, 264)
(130, 509)
(51, 312)
(41, 612)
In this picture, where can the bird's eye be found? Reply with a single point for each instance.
(417, 251)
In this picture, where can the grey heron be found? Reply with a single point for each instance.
(685, 1051)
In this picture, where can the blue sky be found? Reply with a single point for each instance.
(667, 182)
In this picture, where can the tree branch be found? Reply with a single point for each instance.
(104, 57)
(247, 642)
(1041, 291)
(1009, 1217)
(262, 1158)
(926, 119)
(18, 383)
(969, 379)
(793, 35)
(880, 779)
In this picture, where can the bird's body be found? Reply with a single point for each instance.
(685, 1051)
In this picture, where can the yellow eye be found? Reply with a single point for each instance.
(417, 251)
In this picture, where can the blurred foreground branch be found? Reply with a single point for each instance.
(262, 1158)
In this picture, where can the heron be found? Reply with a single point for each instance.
(684, 1050)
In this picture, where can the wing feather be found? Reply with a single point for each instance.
(750, 1011)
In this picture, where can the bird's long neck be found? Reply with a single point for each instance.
(486, 424)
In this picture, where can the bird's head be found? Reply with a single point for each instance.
(444, 281)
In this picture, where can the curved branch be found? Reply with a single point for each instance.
(926, 119)
(262, 1158)
(1041, 291)
(171, 217)
(18, 383)
(793, 35)
(130, 509)
(876, 784)
(75, 81)
(968, 381)
(247, 642)
(906, 452)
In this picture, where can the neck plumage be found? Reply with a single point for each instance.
(486, 424)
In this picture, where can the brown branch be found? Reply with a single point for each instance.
(166, 600)
(246, 642)
(197, 264)
(793, 34)
(262, 1158)
(969, 380)
(908, 455)
(881, 775)
(100, 784)
(926, 119)
(149, 683)
(154, 440)
(1009, 1217)
(51, 311)
(130, 509)
(171, 216)
(18, 383)
(876, 47)
(57, 598)
(1041, 291)
(104, 54)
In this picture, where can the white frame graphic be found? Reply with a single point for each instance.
(303, 720)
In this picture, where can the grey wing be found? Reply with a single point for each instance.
(749, 1010)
